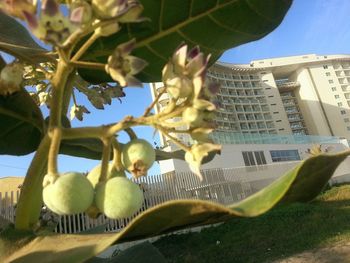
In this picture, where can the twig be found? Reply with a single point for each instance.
(85, 64)
(150, 107)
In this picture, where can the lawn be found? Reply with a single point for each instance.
(283, 232)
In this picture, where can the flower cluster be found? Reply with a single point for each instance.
(51, 26)
(184, 78)
(125, 10)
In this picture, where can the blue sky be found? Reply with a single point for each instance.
(310, 27)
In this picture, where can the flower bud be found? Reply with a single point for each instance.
(11, 78)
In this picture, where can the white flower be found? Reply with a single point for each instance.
(195, 156)
(122, 66)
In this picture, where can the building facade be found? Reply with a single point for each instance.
(308, 95)
(304, 100)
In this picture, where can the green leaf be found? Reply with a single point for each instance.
(302, 183)
(21, 124)
(16, 40)
(92, 149)
(141, 253)
(213, 25)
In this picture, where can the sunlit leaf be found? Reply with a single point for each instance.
(213, 25)
(21, 124)
(309, 177)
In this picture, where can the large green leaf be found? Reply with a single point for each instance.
(141, 253)
(16, 40)
(300, 184)
(213, 25)
(21, 124)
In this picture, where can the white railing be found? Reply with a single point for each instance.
(223, 186)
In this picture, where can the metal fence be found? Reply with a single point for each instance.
(224, 186)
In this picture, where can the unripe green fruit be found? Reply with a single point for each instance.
(138, 156)
(118, 197)
(70, 193)
(94, 174)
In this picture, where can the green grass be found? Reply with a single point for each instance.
(280, 233)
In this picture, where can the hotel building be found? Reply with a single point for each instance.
(273, 110)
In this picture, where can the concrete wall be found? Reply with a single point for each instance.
(274, 101)
(231, 155)
(310, 106)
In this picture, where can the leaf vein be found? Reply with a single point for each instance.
(230, 28)
(156, 52)
(180, 25)
(196, 43)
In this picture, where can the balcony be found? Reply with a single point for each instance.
(240, 138)
(286, 85)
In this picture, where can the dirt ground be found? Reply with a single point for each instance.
(339, 253)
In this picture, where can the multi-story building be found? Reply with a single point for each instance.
(280, 106)
(293, 95)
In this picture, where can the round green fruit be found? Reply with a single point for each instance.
(138, 156)
(118, 197)
(94, 174)
(70, 193)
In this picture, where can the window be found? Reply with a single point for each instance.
(330, 81)
(284, 155)
(348, 128)
(334, 89)
(254, 158)
(325, 66)
(328, 74)
(260, 157)
(340, 104)
(346, 120)
(248, 158)
(342, 112)
(336, 96)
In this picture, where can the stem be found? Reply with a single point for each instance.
(131, 133)
(176, 141)
(29, 204)
(175, 113)
(68, 92)
(55, 135)
(106, 153)
(85, 47)
(84, 132)
(117, 155)
(58, 85)
(150, 107)
(85, 64)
